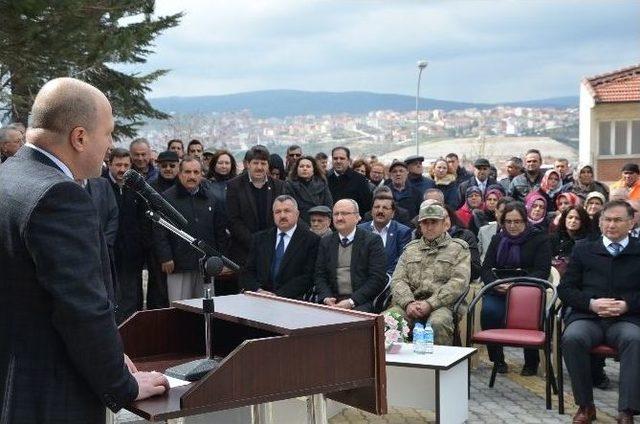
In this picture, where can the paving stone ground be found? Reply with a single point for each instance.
(513, 399)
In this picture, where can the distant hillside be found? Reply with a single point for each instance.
(281, 103)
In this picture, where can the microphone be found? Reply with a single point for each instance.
(136, 182)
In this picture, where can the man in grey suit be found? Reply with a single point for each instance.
(350, 269)
(61, 358)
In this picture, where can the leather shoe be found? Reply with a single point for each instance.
(585, 415)
(502, 367)
(625, 417)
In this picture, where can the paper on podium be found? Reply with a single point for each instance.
(174, 382)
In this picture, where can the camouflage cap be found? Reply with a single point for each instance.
(431, 211)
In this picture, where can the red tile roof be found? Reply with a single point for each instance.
(618, 86)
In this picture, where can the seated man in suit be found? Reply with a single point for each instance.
(601, 293)
(395, 236)
(281, 260)
(351, 262)
(431, 274)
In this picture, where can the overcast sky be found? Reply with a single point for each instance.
(480, 51)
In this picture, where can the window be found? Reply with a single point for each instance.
(605, 138)
(635, 137)
(620, 137)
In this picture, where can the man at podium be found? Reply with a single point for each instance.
(61, 358)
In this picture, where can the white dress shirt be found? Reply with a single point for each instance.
(287, 237)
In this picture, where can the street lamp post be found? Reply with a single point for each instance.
(421, 65)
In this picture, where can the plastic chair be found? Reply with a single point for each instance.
(528, 322)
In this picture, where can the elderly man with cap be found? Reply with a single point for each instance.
(405, 195)
(431, 274)
(480, 179)
(320, 220)
(415, 178)
(630, 181)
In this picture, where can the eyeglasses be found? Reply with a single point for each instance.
(336, 214)
(513, 221)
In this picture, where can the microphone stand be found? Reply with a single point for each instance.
(211, 264)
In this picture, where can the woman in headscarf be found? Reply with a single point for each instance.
(482, 217)
(536, 205)
(550, 187)
(473, 201)
(583, 183)
(594, 204)
(563, 202)
(519, 245)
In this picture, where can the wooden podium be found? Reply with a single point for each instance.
(273, 349)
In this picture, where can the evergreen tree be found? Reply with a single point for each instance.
(84, 39)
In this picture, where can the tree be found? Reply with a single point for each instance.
(85, 39)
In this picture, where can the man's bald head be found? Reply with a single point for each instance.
(63, 104)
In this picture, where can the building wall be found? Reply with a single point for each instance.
(586, 137)
(607, 168)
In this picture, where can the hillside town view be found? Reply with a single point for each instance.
(493, 132)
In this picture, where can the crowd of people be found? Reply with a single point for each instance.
(336, 230)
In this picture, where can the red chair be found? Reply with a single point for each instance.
(602, 350)
(528, 322)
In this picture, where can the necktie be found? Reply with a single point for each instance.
(344, 242)
(277, 258)
(616, 247)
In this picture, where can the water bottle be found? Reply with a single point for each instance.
(419, 339)
(428, 338)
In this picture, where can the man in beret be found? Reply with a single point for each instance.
(415, 178)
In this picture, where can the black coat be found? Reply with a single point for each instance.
(204, 223)
(535, 257)
(309, 194)
(61, 358)
(594, 273)
(160, 183)
(472, 241)
(242, 213)
(130, 244)
(368, 263)
(350, 185)
(295, 277)
(471, 182)
(409, 198)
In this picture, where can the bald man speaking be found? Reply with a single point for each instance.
(61, 358)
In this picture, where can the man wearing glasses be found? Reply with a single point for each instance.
(168, 164)
(293, 154)
(350, 269)
(601, 293)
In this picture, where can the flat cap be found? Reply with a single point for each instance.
(431, 211)
(396, 163)
(481, 162)
(168, 156)
(320, 210)
(414, 158)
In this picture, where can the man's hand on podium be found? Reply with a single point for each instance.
(130, 365)
(150, 384)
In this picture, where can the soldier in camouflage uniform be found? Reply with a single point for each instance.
(431, 274)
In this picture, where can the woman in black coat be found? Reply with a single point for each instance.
(517, 245)
(306, 184)
(574, 225)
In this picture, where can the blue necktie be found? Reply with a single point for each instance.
(344, 242)
(277, 258)
(616, 247)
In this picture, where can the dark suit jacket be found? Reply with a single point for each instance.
(105, 201)
(243, 213)
(295, 277)
(350, 185)
(61, 358)
(368, 263)
(593, 273)
(397, 238)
